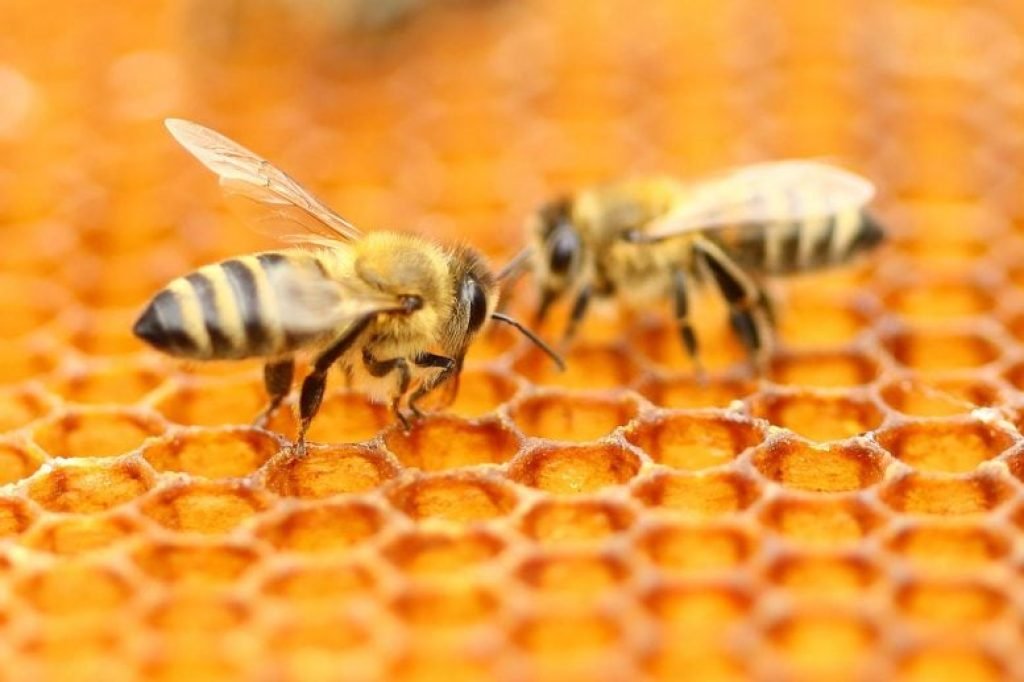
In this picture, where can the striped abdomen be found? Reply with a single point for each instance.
(223, 311)
(787, 248)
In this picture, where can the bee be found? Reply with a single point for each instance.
(396, 310)
(656, 238)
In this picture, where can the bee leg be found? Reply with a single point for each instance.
(747, 312)
(685, 326)
(447, 365)
(579, 309)
(277, 377)
(382, 368)
(312, 393)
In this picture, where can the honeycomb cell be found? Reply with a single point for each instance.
(16, 516)
(569, 470)
(688, 392)
(916, 493)
(123, 381)
(323, 528)
(197, 613)
(571, 418)
(195, 563)
(442, 606)
(824, 468)
(950, 604)
(692, 442)
(934, 350)
(569, 644)
(208, 508)
(582, 576)
(819, 320)
(823, 369)
(821, 521)
(575, 521)
(319, 584)
(668, 662)
(344, 417)
(74, 587)
(949, 660)
(102, 331)
(458, 497)
(587, 368)
(700, 495)
(819, 417)
(948, 546)
(95, 432)
(83, 487)
(439, 443)
(443, 555)
(18, 461)
(74, 535)
(940, 398)
(823, 576)
(212, 453)
(20, 405)
(696, 549)
(28, 304)
(211, 401)
(953, 447)
(937, 301)
(825, 645)
(329, 470)
(481, 392)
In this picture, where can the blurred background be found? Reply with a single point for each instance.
(854, 516)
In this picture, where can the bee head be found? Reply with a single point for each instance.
(560, 253)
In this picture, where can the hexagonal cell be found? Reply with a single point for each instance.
(443, 555)
(102, 331)
(196, 613)
(694, 441)
(482, 391)
(917, 493)
(940, 300)
(820, 417)
(495, 342)
(319, 584)
(954, 447)
(213, 453)
(96, 432)
(668, 661)
(699, 495)
(441, 442)
(824, 369)
(696, 616)
(686, 391)
(323, 528)
(84, 487)
(823, 576)
(575, 576)
(73, 535)
(823, 645)
(117, 382)
(25, 358)
(74, 587)
(77, 646)
(949, 546)
(331, 640)
(445, 606)
(329, 470)
(575, 521)
(568, 644)
(696, 549)
(458, 497)
(823, 522)
(346, 417)
(587, 367)
(195, 562)
(948, 659)
(22, 404)
(16, 515)
(576, 469)
(210, 508)
(18, 460)
(823, 468)
(28, 304)
(433, 660)
(820, 320)
(951, 603)
(660, 345)
(213, 401)
(572, 418)
(934, 350)
(939, 398)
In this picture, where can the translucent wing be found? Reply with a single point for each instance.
(781, 191)
(246, 174)
(310, 304)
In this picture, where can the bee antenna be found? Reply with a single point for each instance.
(519, 263)
(537, 341)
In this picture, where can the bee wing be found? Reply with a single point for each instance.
(781, 191)
(245, 173)
(310, 304)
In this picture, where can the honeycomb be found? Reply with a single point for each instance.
(853, 514)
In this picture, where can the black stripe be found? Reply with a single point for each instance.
(220, 343)
(243, 286)
(789, 248)
(821, 254)
(269, 262)
(167, 310)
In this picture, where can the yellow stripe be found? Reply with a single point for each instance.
(191, 315)
(228, 315)
(848, 224)
(266, 299)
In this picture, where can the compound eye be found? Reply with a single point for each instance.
(474, 293)
(564, 244)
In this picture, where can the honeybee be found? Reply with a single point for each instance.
(396, 310)
(655, 238)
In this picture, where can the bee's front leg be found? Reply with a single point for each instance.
(382, 368)
(448, 367)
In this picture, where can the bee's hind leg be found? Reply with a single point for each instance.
(749, 311)
(684, 324)
(382, 368)
(579, 311)
(277, 377)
